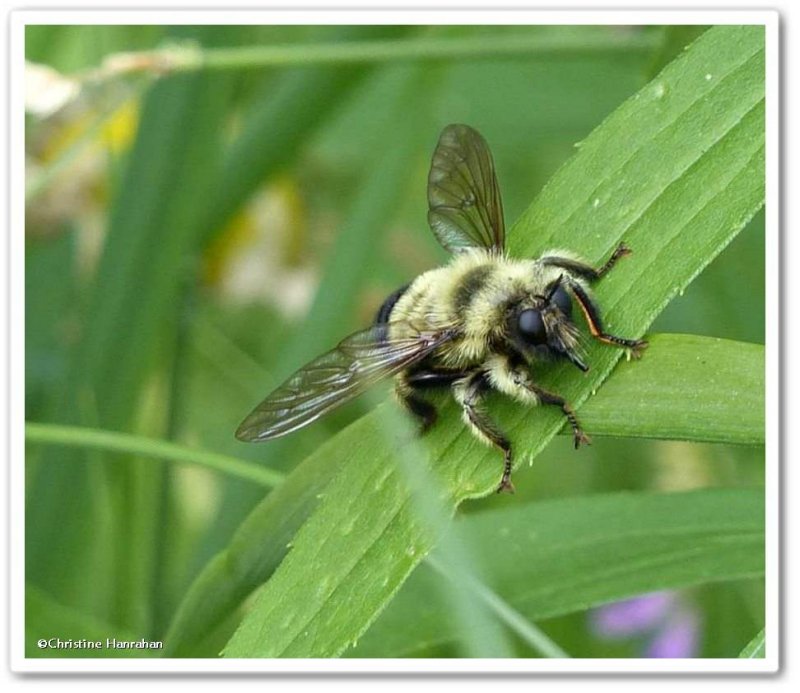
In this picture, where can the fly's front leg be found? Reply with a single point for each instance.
(581, 269)
(588, 307)
(469, 393)
(592, 314)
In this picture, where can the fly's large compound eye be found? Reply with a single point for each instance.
(562, 301)
(531, 326)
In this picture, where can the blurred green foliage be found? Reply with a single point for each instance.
(319, 174)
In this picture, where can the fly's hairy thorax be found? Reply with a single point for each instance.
(472, 294)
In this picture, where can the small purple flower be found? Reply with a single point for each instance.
(677, 638)
(670, 622)
(631, 617)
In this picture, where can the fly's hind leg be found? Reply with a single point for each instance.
(421, 408)
(469, 392)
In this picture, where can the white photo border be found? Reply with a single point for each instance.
(20, 19)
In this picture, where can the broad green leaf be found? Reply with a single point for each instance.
(643, 398)
(676, 171)
(551, 558)
(756, 648)
(256, 549)
(674, 39)
(688, 388)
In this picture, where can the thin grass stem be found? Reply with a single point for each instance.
(526, 630)
(113, 441)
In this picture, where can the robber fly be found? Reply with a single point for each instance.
(479, 323)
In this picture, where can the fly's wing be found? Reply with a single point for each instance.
(464, 205)
(337, 377)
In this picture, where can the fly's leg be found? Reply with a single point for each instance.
(469, 392)
(581, 269)
(408, 389)
(547, 397)
(509, 375)
(592, 314)
(588, 307)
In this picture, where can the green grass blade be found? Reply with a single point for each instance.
(687, 388)
(280, 120)
(552, 558)
(151, 242)
(756, 648)
(533, 636)
(45, 618)
(476, 47)
(111, 441)
(677, 171)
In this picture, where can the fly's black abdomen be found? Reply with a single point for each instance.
(386, 309)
